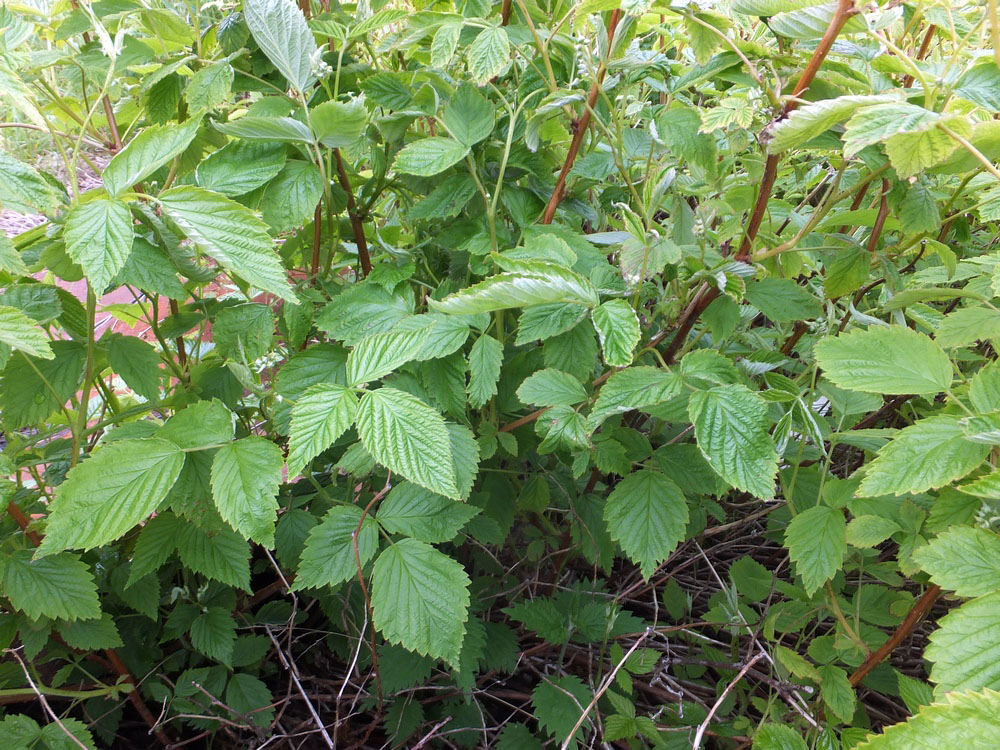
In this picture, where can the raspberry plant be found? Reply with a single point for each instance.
(501, 375)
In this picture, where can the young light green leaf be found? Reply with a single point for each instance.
(110, 492)
(485, 361)
(210, 86)
(965, 649)
(816, 118)
(409, 438)
(551, 387)
(980, 84)
(928, 454)
(416, 512)
(381, 353)
(59, 586)
(229, 233)
(540, 283)
(961, 719)
(20, 332)
(328, 556)
(778, 737)
(885, 359)
(245, 479)
(420, 599)
(281, 31)
(782, 300)
(964, 559)
(618, 329)
(731, 425)
(338, 124)
(430, 156)
(967, 325)
(869, 531)
(251, 128)
(647, 515)
(444, 44)
(321, 415)
(633, 388)
(99, 237)
(488, 54)
(146, 153)
(837, 692)
(10, 259)
(817, 542)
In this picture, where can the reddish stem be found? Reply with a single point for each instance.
(352, 212)
(580, 127)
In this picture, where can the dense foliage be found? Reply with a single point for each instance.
(509, 375)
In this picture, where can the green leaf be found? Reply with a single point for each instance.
(414, 511)
(430, 156)
(221, 555)
(875, 124)
(967, 325)
(290, 199)
(213, 633)
(149, 269)
(469, 116)
(551, 388)
(485, 361)
(381, 353)
(647, 515)
(918, 211)
(210, 86)
(10, 259)
(99, 237)
(838, 695)
(558, 704)
(618, 329)
(815, 118)
(247, 695)
(285, 129)
(633, 388)
(444, 44)
(240, 167)
(892, 360)
(109, 493)
(420, 599)
(280, 29)
(230, 234)
(20, 332)
(817, 542)
(960, 720)
(203, 424)
(980, 84)
(488, 54)
(138, 363)
(328, 556)
(244, 333)
(778, 737)
(146, 153)
(965, 649)
(964, 559)
(409, 438)
(51, 382)
(539, 284)
(731, 425)
(928, 454)
(362, 310)
(59, 586)
(245, 479)
(912, 153)
(869, 531)
(338, 124)
(782, 300)
(541, 322)
(321, 415)
(91, 635)
(24, 190)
